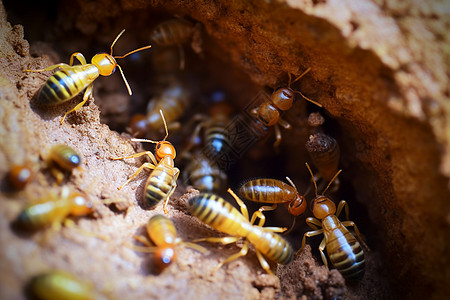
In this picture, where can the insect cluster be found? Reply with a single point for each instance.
(52, 208)
(207, 140)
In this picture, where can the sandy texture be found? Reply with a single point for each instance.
(380, 72)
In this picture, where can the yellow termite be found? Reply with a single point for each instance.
(282, 99)
(53, 209)
(343, 249)
(174, 101)
(57, 285)
(163, 234)
(62, 157)
(162, 181)
(216, 130)
(20, 175)
(71, 79)
(172, 32)
(203, 173)
(268, 190)
(175, 32)
(222, 216)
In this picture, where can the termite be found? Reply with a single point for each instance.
(163, 234)
(162, 181)
(343, 249)
(282, 99)
(222, 216)
(71, 79)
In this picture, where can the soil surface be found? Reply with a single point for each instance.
(384, 92)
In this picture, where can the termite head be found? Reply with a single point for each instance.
(64, 156)
(20, 175)
(283, 98)
(164, 256)
(297, 206)
(322, 207)
(81, 205)
(105, 63)
(163, 149)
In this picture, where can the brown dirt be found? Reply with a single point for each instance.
(378, 69)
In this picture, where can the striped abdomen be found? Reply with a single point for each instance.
(161, 230)
(221, 215)
(172, 32)
(42, 214)
(160, 182)
(343, 249)
(257, 129)
(205, 175)
(217, 141)
(65, 157)
(268, 190)
(272, 245)
(173, 102)
(60, 285)
(67, 83)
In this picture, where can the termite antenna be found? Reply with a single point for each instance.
(165, 124)
(299, 76)
(144, 141)
(331, 181)
(310, 100)
(115, 40)
(151, 141)
(292, 183)
(312, 176)
(134, 51)
(129, 53)
(125, 80)
(120, 69)
(298, 92)
(122, 56)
